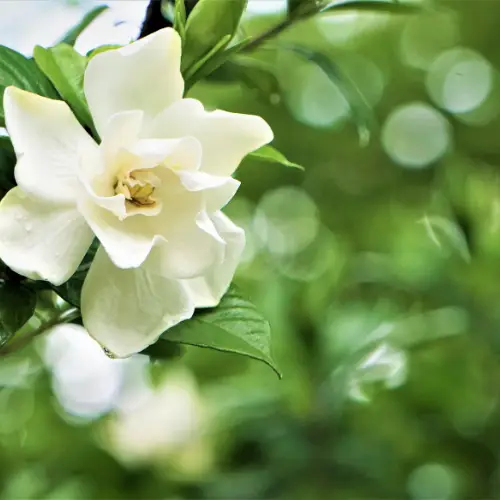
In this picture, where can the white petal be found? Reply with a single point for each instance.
(41, 240)
(49, 143)
(189, 249)
(184, 153)
(127, 242)
(144, 75)
(217, 190)
(126, 310)
(226, 138)
(208, 290)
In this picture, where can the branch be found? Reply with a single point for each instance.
(20, 342)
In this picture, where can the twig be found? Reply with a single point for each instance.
(65, 317)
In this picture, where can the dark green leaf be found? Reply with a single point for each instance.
(65, 68)
(234, 326)
(209, 23)
(23, 73)
(270, 154)
(7, 164)
(71, 36)
(17, 304)
(391, 6)
(163, 350)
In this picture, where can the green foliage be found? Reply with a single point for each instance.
(214, 59)
(270, 154)
(211, 24)
(23, 73)
(72, 35)
(180, 18)
(361, 110)
(389, 6)
(234, 326)
(7, 164)
(17, 305)
(65, 67)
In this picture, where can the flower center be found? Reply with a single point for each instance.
(138, 188)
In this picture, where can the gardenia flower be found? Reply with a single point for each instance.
(151, 192)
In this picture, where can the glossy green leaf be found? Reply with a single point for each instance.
(180, 18)
(210, 22)
(23, 73)
(270, 154)
(65, 68)
(234, 326)
(17, 305)
(71, 36)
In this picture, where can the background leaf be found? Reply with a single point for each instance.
(65, 68)
(234, 326)
(270, 154)
(17, 305)
(23, 73)
(71, 36)
(210, 22)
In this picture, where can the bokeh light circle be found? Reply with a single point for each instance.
(416, 135)
(460, 80)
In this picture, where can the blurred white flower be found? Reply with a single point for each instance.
(151, 192)
(169, 421)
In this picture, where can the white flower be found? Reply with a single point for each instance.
(151, 192)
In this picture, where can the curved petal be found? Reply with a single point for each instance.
(49, 143)
(188, 249)
(226, 138)
(125, 310)
(217, 190)
(127, 242)
(207, 291)
(144, 75)
(41, 240)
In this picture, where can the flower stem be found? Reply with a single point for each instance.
(18, 343)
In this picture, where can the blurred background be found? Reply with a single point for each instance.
(378, 268)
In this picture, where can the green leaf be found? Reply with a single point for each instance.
(71, 36)
(17, 305)
(209, 23)
(101, 49)
(234, 326)
(7, 164)
(361, 110)
(164, 350)
(270, 154)
(23, 73)
(390, 6)
(180, 18)
(213, 60)
(446, 234)
(65, 68)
